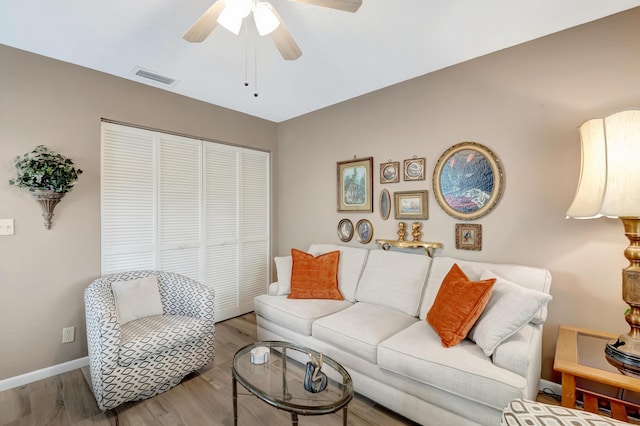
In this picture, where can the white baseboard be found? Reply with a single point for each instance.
(547, 384)
(34, 376)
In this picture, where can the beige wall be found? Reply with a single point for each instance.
(43, 273)
(524, 103)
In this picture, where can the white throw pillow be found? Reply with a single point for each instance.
(283, 269)
(509, 309)
(137, 298)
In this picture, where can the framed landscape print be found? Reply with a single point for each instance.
(468, 236)
(414, 168)
(355, 185)
(468, 181)
(411, 205)
(390, 172)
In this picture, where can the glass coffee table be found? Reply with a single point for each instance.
(280, 381)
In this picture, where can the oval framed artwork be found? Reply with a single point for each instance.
(364, 231)
(468, 181)
(345, 230)
(385, 204)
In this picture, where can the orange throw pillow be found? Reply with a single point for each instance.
(315, 277)
(458, 305)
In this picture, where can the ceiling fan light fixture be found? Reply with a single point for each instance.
(266, 20)
(240, 7)
(231, 20)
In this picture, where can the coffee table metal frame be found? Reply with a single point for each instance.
(279, 349)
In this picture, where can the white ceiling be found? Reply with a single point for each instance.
(344, 55)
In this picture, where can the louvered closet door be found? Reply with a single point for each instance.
(254, 226)
(128, 191)
(179, 205)
(184, 205)
(221, 227)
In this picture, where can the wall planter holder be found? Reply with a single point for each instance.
(48, 201)
(49, 176)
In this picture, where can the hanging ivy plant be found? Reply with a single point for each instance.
(42, 170)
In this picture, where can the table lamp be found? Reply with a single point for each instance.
(609, 186)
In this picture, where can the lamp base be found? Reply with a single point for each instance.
(624, 354)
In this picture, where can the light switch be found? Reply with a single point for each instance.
(6, 227)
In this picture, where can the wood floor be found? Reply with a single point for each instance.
(203, 398)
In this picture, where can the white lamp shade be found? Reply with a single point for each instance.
(266, 20)
(230, 20)
(241, 8)
(609, 182)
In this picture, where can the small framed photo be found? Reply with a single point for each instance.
(390, 172)
(385, 204)
(411, 205)
(355, 185)
(414, 169)
(364, 231)
(468, 236)
(345, 230)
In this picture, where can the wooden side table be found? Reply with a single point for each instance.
(581, 360)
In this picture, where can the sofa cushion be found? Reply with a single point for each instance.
(461, 370)
(147, 336)
(359, 328)
(537, 279)
(296, 314)
(509, 309)
(394, 279)
(315, 277)
(352, 261)
(458, 305)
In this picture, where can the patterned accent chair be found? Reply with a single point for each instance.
(522, 412)
(147, 356)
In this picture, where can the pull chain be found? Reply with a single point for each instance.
(255, 63)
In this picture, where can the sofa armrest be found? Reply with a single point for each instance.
(522, 354)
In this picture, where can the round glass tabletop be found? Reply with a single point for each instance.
(279, 381)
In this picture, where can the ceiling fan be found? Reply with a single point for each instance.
(231, 13)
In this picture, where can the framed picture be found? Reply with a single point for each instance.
(411, 205)
(414, 168)
(468, 181)
(364, 231)
(468, 236)
(390, 172)
(345, 230)
(385, 204)
(355, 185)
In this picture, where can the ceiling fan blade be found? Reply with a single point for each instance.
(346, 5)
(205, 24)
(284, 42)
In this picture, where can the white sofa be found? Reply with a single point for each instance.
(380, 335)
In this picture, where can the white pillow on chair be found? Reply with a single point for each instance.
(136, 299)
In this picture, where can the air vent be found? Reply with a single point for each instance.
(141, 72)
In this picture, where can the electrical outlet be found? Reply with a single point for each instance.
(68, 334)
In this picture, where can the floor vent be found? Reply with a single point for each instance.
(141, 72)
